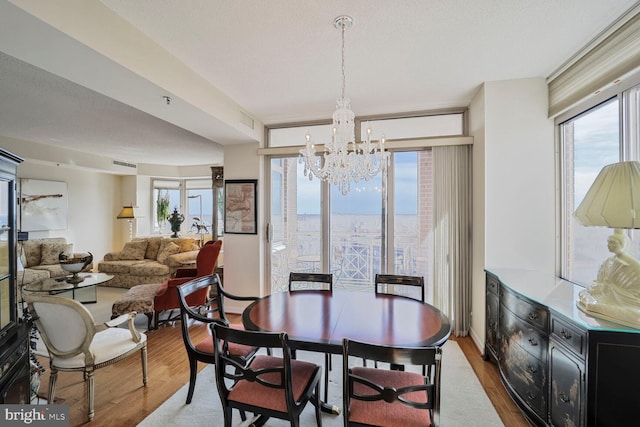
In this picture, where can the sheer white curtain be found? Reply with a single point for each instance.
(452, 234)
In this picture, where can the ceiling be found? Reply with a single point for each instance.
(91, 75)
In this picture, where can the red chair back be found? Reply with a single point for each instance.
(207, 258)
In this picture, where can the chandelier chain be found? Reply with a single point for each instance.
(344, 79)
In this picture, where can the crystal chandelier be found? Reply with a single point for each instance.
(344, 160)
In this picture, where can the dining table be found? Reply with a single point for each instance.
(319, 320)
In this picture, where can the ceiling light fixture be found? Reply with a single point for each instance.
(342, 162)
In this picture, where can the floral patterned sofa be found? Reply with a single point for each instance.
(147, 260)
(38, 259)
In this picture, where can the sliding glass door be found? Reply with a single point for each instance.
(384, 225)
(296, 223)
(309, 219)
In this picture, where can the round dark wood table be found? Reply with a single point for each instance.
(319, 320)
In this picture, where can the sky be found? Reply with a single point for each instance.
(596, 144)
(364, 198)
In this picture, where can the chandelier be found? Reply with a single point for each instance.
(344, 160)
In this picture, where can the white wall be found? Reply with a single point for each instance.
(243, 256)
(94, 202)
(477, 131)
(514, 165)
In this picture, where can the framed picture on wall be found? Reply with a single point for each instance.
(241, 206)
(43, 205)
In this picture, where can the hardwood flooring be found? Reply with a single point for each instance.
(122, 401)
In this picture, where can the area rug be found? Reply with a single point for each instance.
(463, 401)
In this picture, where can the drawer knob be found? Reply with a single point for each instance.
(565, 334)
(533, 315)
(532, 369)
(533, 342)
(564, 398)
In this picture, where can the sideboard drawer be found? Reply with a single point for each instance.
(527, 310)
(569, 335)
(515, 330)
(527, 375)
(493, 284)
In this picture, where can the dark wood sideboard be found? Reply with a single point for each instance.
(561, 366)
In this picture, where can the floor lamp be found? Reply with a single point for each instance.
(128, 213)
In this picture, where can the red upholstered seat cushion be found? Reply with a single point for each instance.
(206, 345)
(381, 413)
(257, 394)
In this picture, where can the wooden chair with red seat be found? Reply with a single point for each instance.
(202, 350)
(384, 397)
(167, 298)
(268, 386)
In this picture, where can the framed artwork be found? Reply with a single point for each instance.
(241, 206)
(43, 205)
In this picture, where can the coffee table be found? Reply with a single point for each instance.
(84, 292)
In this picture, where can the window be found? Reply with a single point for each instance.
(380, 226)
(192, 198)
(590, 140)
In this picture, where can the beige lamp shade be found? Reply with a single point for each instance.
(127, 212)
(614, 198)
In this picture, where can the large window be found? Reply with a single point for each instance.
(192, 197)
(380, 226)
(591, 139)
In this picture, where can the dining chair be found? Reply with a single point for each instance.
(399, 285)
(268, 386)
(75, 343)
(384, 397)
(166, 297)
(310, 282)
(404, 286)
(202, 350)
(314, 282)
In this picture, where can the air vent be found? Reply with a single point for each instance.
(246, 120)
(125, 164)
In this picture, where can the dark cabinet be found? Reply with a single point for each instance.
(492, 313)
(561, 366)
(14, 335)
(522, 346)
(566, 404)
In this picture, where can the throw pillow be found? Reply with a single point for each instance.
(153, 247)
(51, 251)
(166, 250)
(134, 250)
(186, 244)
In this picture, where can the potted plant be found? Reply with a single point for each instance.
(162, 209)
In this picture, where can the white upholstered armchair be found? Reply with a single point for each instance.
(76, 343)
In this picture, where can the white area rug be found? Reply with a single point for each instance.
(463, 401)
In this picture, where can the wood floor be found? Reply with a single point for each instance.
(121, 401)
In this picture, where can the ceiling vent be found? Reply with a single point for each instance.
(246, 120)
(125, 164)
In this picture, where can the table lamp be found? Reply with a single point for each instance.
(614, 201)
(128, 213)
